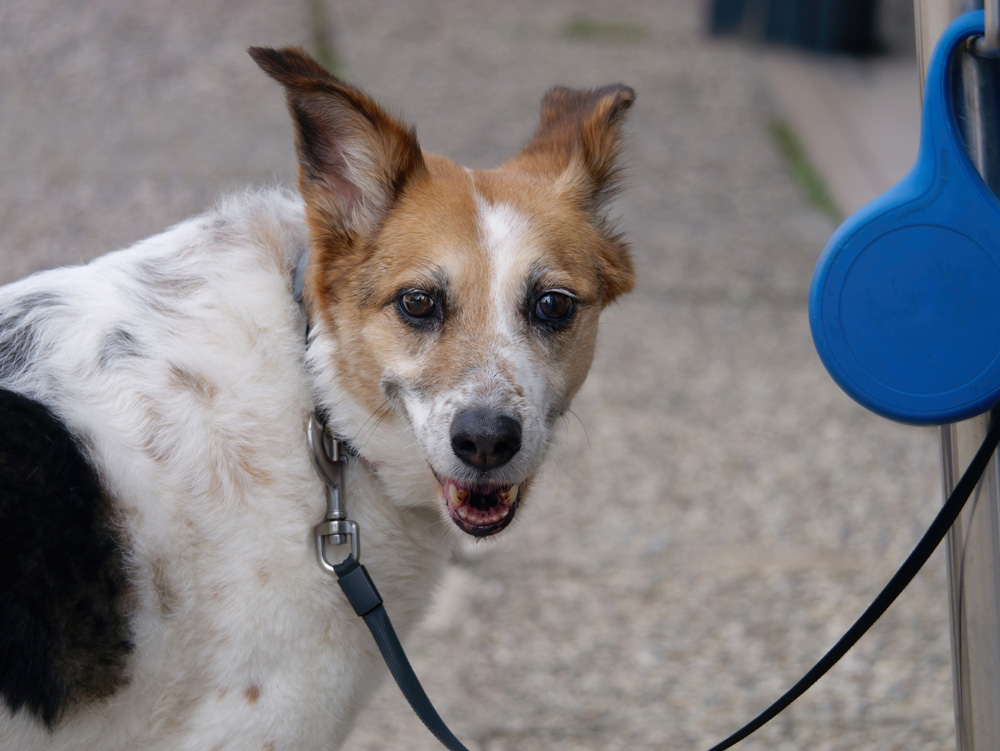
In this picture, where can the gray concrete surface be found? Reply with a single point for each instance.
(719, 511)
(858, 119)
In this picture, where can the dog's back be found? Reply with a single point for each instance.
(158, 395)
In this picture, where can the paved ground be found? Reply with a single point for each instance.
(720, 512)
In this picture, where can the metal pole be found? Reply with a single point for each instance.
(973, 593)
(974, 541)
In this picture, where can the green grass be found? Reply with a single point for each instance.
(585, 28)
(323, 47)
(802, 169)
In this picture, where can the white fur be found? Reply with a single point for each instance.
(512, 249)
(508, 378)
(241, 641)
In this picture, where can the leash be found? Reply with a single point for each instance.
(364, 597)
(329, 456)
(357, 584)
(360, 590)
(900, 580)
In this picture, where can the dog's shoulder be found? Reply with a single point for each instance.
(162, 377)
(86, 319)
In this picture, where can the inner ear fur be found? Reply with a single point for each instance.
(578, 146)
(578, 139)
(354, 158)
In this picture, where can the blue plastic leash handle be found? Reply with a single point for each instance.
(905, 300)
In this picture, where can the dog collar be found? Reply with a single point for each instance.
(329, 455)
(298, 285)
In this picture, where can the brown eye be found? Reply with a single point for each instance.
(555, 308)
(416, 304)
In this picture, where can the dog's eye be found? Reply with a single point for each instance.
(555, 307)
(417, 304)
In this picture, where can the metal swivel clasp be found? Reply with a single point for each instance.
(329, 462)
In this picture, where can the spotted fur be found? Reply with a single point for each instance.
(160, 589)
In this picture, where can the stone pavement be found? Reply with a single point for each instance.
(719, 511)
(858, 119)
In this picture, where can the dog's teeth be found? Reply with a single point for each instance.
(457, 496)
(463, 513)
(505, 513)
(509, 496)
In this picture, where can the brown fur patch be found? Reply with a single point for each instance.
(354, 159)
(153, 443)
(252, 693)
(166, 594)
(579, 127)
(229, 465)
(185, 379)
(578, 143)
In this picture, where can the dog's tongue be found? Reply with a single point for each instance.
(480, 511)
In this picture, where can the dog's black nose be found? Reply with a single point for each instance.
(485, 439)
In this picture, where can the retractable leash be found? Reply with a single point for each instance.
(905, 314)
(905, 301)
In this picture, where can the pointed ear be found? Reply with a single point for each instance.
(579, 139)
(354, 159)
(578, 145)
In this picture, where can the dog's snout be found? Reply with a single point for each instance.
(485, 439)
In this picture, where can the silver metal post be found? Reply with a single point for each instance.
(974, 541)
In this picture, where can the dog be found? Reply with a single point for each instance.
(158, 581)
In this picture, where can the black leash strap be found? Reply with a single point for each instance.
(899, 581)
(364, 597)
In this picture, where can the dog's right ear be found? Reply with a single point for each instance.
(354, 159)
(578, 143)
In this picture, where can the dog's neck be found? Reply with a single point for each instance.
(298, 285)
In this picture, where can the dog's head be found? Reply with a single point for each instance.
(459, 304)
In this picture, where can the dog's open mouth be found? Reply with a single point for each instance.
(480, 510)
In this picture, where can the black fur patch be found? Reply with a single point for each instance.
(64, 634)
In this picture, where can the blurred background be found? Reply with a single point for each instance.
(718, 512)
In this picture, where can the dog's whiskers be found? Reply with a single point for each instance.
(583, 425)
(371, 425)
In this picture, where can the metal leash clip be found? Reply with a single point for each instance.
(329, 464)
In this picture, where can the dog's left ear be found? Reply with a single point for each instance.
(579, 137)
(354, 158)
(578, 145)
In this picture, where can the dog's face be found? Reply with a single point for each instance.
(464, 304)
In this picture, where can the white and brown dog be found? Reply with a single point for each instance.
(158, 585)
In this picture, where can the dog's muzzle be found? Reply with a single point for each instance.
(484, 440)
